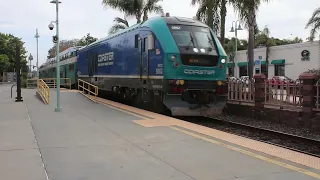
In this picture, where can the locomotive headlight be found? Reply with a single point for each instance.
(181, 82)
(223, 61)
(173, 58)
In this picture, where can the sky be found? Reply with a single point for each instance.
(284, 18)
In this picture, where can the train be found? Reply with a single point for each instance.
(166, 62)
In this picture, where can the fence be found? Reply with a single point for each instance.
(274, 94)
(88, 90)
(52, 82)
(240, 92)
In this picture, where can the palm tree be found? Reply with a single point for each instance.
(223, 14)
(314, 21)
(263, 38)
(213, 12)
(247, 10)
(135, 8)
(120, 24)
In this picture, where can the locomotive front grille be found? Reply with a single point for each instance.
(201, 85)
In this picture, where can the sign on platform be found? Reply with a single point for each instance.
(257, 62)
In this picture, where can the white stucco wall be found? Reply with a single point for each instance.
(294, 66)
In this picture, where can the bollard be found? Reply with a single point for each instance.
(11, 89)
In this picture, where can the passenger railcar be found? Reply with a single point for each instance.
(171, 61)
(68, 66)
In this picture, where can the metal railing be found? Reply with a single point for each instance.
(88, 90)
(44, 91)
(241, 92)
(52, 82)
(31, 83)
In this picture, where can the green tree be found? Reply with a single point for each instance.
(119, 24)
(86, 40)
(136, 8)
(314, 21)
(8, 44)
(4, 63)
(64, 44)
(247, 10)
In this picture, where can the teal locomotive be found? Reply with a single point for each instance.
(171, 63)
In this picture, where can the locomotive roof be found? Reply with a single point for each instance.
(183, 21)
(168, 20)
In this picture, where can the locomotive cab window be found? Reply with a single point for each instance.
(189, 37)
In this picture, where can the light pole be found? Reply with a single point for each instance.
(37, 37)
(235, 30)
(30, 59)
(58, 108)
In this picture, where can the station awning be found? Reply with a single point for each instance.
(263, 62)
(230, 65)
(278, 62)
(242, 64)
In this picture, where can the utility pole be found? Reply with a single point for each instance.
(56, 2)
(37, 37)
(236, 28)
(18, 74)
(30, 59)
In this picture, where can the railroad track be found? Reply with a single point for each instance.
(277, 138)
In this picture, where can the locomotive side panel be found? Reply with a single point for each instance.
(118, 61)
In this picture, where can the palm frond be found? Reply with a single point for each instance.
(202, 12)
(194, 2)
(116, 27)
(243, 7)
(314, 21)
(152, 6)
(216, 22)
(314, 18)
(119, 20)
(314, 30)
(121, 5)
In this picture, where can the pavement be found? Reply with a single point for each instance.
(90, 141)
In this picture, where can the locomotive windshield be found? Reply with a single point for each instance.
(190, 37)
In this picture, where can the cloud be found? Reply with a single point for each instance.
(21, 18)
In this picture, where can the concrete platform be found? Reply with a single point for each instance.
(88, 140)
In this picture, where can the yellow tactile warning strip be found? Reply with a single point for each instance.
(161, 120)
(69, 90)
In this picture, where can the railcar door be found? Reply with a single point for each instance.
(146, 45)
(144, 55)
(90, 63)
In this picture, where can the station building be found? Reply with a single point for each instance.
(287, 60)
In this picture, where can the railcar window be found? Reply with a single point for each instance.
(71, 67)
(136, 41)
(144, 44)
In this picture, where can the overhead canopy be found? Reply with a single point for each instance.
(278, 62)
(263, 62)
(242, 64)
(230, 65)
